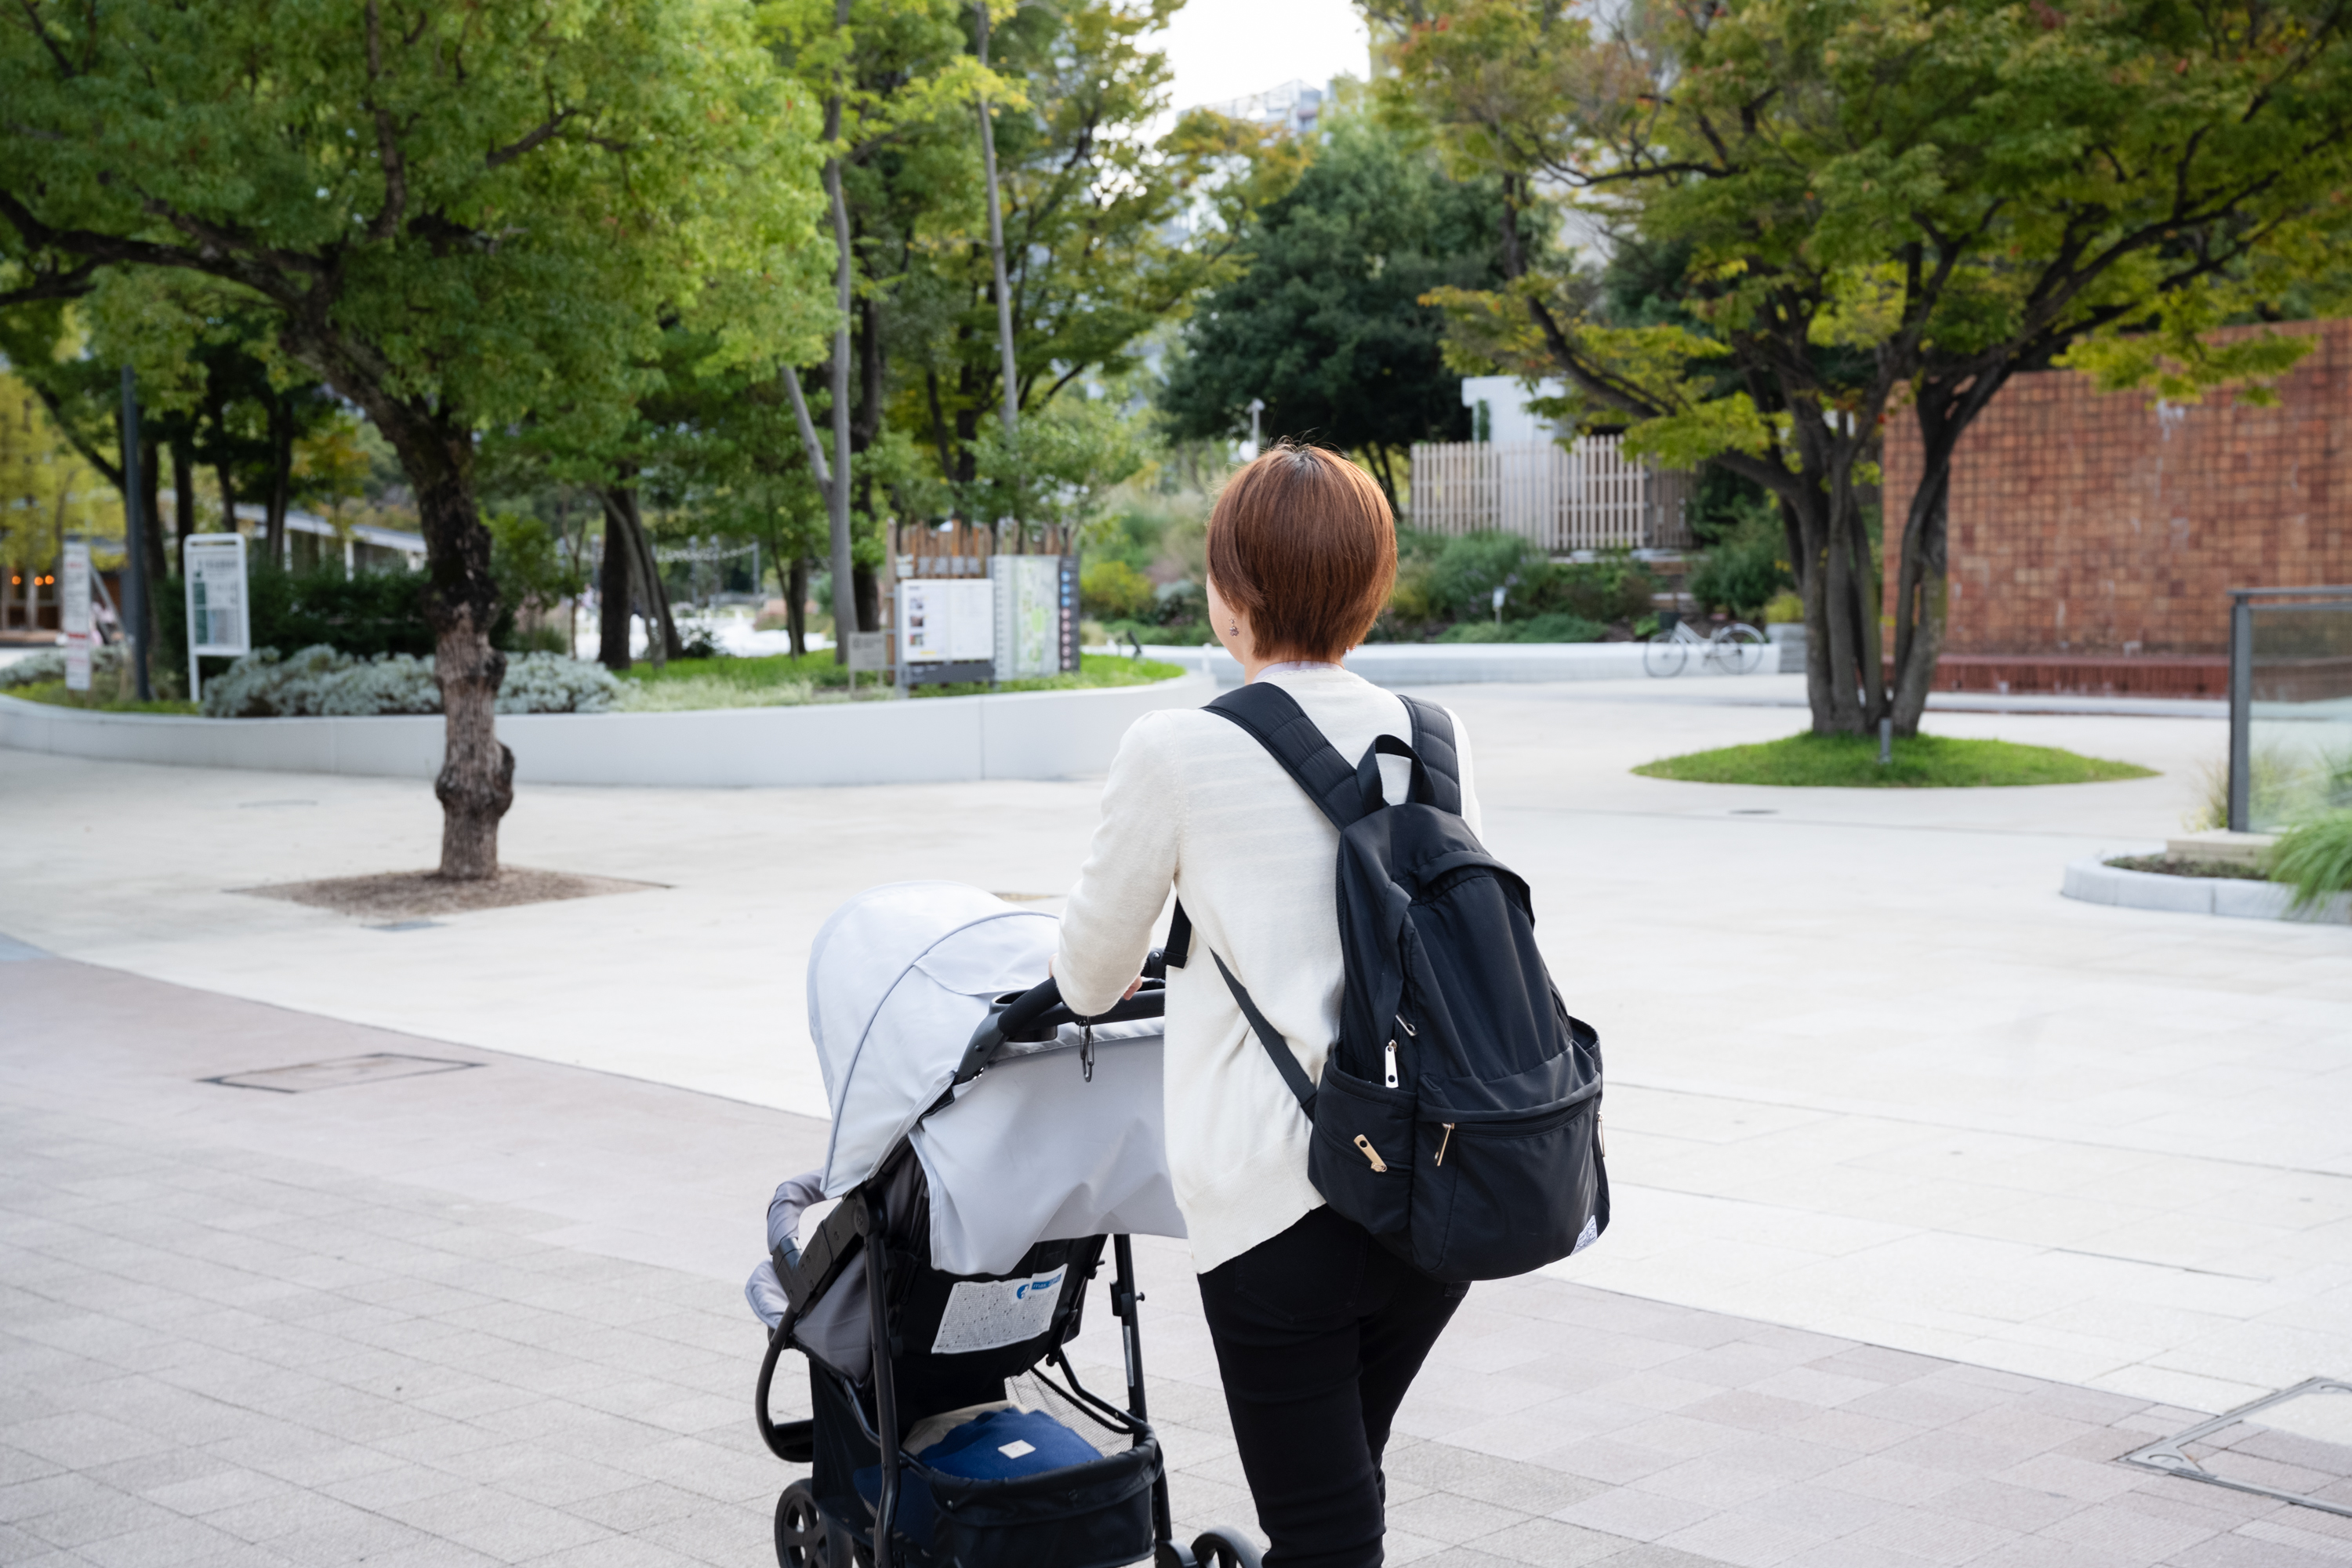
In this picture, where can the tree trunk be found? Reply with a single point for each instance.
(837, 492)
(228, 497)
(662, 641)
(150, 542)
(869, 598)
(282, 475)
(183, 496)
(613, 579)
(796, 590)
(476, 784)
(1010, 369)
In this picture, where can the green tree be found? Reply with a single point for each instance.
(1875, 209)
(1326, 323)
(458, 219)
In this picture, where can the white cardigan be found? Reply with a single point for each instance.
(1193, 800)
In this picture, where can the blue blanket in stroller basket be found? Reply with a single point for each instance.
(995, 1447)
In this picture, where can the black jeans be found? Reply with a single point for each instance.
(1319, 1332)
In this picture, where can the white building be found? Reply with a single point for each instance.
(1499, 412)
(1294, 104)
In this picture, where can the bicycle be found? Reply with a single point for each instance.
(1734, 650)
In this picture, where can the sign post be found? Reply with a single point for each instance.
(868, 651)
(218, 622)
(73, 612)
(135, 524)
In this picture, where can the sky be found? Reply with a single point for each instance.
(1223, 49)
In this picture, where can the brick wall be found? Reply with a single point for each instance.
(2103, 525)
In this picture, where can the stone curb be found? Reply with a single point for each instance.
(2094, 881)
(940, 740)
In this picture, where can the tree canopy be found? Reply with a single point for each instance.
(1326, 323)
(457, 218)
(1885, 208)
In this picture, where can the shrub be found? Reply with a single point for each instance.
(322, 680)
(1114, 590)
(1743, 571)
(1463, 579)
(1616, 587)
(1784, 610)
(2314, 857)
(366, 614)
(106, 661)
(1557, 627)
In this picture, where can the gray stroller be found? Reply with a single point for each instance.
(985, 1147)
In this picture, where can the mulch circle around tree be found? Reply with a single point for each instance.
(407, 895)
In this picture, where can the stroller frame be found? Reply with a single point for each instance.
(850, 1234)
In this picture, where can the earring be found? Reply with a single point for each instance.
(1233, 628)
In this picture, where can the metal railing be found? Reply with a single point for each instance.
(2290, 704)
(1586, 495)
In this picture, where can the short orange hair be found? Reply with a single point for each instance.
(1302, 540)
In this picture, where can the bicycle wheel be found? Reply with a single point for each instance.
(1738, 647)
(1665, 656)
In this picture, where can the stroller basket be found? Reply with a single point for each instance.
(986, 1146)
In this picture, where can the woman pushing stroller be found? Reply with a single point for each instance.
(1320, 1329)
(1350, 1105)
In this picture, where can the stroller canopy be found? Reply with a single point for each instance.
(1031, 1150)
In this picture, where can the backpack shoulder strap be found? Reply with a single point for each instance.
(1302, 1088)
(1274, 719)
(1433, 742)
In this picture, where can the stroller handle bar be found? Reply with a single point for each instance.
(1035, 1014)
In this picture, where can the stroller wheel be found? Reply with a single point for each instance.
(1224, 1547)
(802, 1537)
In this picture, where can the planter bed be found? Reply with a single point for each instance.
(2202, 892)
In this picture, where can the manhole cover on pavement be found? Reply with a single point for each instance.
(340, 1073)
(2295, 1446)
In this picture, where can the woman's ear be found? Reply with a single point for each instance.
(1231, 626)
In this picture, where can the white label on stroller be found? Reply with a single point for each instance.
(983, 1315)
(1015, 1449)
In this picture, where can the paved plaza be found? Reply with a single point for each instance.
(1936, 1192)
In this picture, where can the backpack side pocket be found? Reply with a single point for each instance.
(1361, 1156)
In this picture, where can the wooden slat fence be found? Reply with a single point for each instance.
(1589, 496)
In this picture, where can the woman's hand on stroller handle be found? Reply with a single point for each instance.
(1037, 1012)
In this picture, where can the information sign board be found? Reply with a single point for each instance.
(73, 613)
(1028, 615)
(868, 651)
(947, 630)
(218, 618)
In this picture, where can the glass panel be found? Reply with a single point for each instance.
(2300, 731)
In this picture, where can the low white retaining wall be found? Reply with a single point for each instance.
(935, 740)
(1460, 664)
(2095, 882)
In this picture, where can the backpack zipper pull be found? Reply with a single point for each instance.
(1370, 1153)
(1408, 1028)
(1087, 1052)
(1392, 1072)
(1441, 1143)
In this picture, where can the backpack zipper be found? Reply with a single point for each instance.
(1441, 1143)
(1370, 1153)
(1392, 1072)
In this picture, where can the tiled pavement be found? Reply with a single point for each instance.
(230, 1334)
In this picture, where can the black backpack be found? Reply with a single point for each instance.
(1459, 1116)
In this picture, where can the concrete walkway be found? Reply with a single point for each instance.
(1869, 1077)
(492, 1315)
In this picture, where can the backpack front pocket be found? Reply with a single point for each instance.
(1361, 1156)
(1499, 1197)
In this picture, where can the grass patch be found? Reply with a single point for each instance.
(781, 680)
(56, 695)
(1923, 762)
